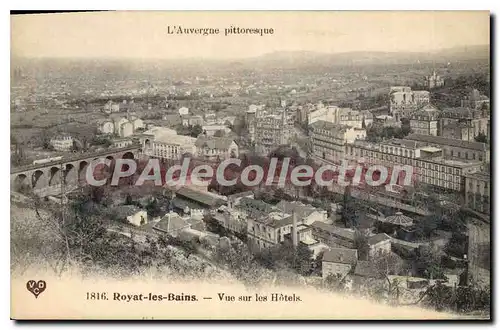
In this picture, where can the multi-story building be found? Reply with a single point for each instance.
(164, 143)
(271, 131)
(137, 122)
(192, 121)
(121, 126)
(210, 130)
(476, 120)
(118, 121)
(307, 213)
(476, 100)
(329, 140)
(477, 191)
(252, 113)
(434, 80)
(425, 120)
(302, 113)
(111, 107)
(428, 162)
(461, 130)
(62, 142)
(454, 148)
(338, 262)
(106, 126)
(404, 101)
(216, 148)
(266, 225)
(122, 142)
(342, 116)
(333, 236)
(379, 244)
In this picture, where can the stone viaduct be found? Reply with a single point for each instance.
(46, 179)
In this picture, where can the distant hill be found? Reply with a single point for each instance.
(275, 60)
(465, 53)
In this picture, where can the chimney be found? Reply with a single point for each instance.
(294, 229)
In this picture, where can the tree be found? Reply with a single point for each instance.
(428, 262)
(361, 244)
(385, 264)
(128, 200)
(457, 244)
(196, 130)
(427, 225)
(350, 210)
(481, 137)
(153, 208)
(219, 133)
(285, 255)
(334, 282)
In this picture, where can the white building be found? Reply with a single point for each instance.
(209, 130)
(137, 122)
(106, 126)
(138, 218)
(379, 244)
(338, 262)
(165, 143)
(216, 148)
(329, 140)
(404, 101)
(119, 125)
(62, 142)
(183, 111)
(122, 143)
(342, 116)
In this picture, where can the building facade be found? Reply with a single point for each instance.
(62, 142)
(403, 101)
(454, 148)
(476, 100)
(425, 121)
(216, 149)
(342, 116)
(477, 191)
(434, 81)
(338, 262)
(476, 120)
(164, 143)
(271, 131)
(427, 162)
(329, 140)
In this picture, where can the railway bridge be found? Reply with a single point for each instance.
(47, 178)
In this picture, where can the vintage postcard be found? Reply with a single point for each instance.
(232, 165)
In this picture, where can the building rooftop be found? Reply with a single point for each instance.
(483, 175)
(378, 238)
(399, 219)
(301, 209)
(205, 199)
(328, 126)
(170, 223)
(430, 149)
(214, 142)
(342, 232)
(439, 140)
(340, 255)
(255, 206)
(124, 211)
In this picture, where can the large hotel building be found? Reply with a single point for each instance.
(428, 162)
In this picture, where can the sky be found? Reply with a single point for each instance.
(142, 34)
